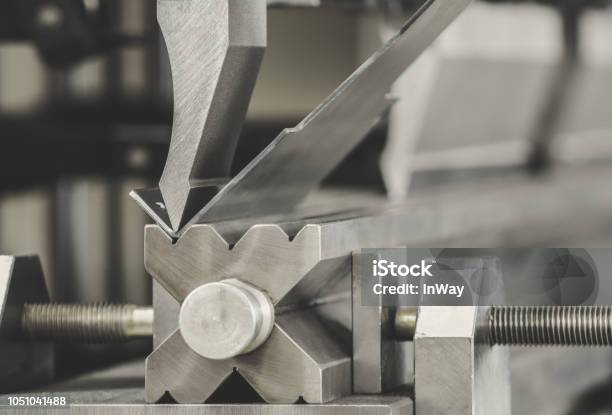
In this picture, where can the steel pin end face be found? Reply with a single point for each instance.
(222, 320)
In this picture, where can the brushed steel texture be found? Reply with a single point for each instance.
(166, 314)
(362, 405)
(380, 362)
(125, 395)
(456, 370)
(296, 161)
(395, 6)
(299, 359)
(215, 49)
(321, 246)
(225, 319)
(294, 3)
(452, 354)
(294, 164)
(119, 390)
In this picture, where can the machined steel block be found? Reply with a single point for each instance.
(456, 369)
(212, 300)
(381, 363)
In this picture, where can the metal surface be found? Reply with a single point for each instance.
(298, 359)
(380, 362)
(523, 210)
(294, 3)
(119, 390)
(456, 370)
(561, 380)
(394, 6)
(166, 314)
(215, 49)
(225, 319)
(348, 4)
(551, 326)
(98, 323)
(358, 405)
(22, 364)
(296, 259)
(293, 165)
(532, 325)
(397, 6)
(405, 323)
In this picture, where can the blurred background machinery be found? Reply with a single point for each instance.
(86, 111)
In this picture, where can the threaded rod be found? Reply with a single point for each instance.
(96, 323)
(551, 326)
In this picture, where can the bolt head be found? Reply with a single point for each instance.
(225, 319)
